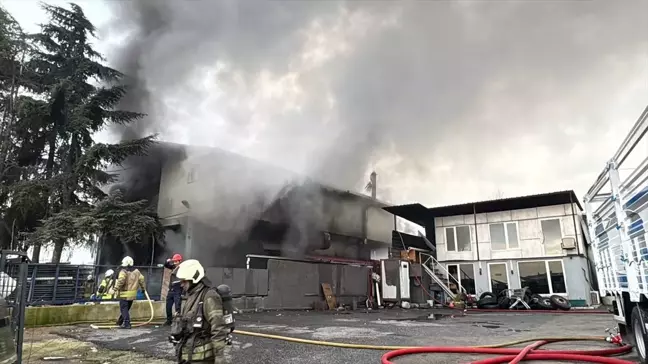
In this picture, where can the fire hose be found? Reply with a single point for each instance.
(95, 326)
(508, 355)
(514, 356)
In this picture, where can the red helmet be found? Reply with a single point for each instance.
(177, 257)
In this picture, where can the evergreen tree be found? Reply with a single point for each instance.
(65, 63)
(21, 122)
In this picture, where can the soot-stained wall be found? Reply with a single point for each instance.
(298, 284)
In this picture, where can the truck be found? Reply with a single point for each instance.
(616, 208)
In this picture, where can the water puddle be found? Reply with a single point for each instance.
(428, 317)
(495, 325)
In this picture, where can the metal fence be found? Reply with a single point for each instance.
(13, 290)
(64, 284)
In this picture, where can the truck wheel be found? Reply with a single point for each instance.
(639, 318)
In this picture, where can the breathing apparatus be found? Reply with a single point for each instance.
(183, 327)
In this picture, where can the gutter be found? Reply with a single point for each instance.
(476, 235)
(571, 204)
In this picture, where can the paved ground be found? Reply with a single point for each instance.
(392, 327)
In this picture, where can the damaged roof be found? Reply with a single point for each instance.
(420, 214)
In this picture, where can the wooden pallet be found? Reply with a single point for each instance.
(329, 296)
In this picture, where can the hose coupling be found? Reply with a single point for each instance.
(614, 336)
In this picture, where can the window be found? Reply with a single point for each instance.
(552, 236)
(465, 277)
(498, 274)
(458, 238)
(504, 236)
(191, 176)
(543, 277)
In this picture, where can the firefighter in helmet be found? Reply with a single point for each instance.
(174, 294)
(106, 285)
(128, 282)
(202, 330)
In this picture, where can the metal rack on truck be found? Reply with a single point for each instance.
(616, 207)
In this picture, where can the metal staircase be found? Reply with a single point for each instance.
(439, 274)
(438, 280)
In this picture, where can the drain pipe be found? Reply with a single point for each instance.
(476, 238)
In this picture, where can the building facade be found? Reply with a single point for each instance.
(223, 206)
(535, 241)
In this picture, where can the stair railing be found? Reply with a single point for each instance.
(432, 263)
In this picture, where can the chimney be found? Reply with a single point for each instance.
(372, 180)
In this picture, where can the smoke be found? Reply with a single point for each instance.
(446, 100)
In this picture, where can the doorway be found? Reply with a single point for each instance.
(498, 277)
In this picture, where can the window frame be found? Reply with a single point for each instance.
(191, 175)
(548, 275)
(506, 271)
(454, 229)
(562, 235)
(506, 235)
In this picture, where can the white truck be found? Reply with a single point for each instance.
(617, 207)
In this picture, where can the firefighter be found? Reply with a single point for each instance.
(202, 330)
(174, 295)
(88, 287)
(107, 284)
(128, 281)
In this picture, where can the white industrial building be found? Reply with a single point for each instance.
(535, 241)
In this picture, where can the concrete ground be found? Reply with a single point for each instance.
(385, 327)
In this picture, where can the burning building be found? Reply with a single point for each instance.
(221, 207)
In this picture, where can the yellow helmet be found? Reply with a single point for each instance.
(190, 270)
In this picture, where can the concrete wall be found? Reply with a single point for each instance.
(294, 285)
(243, 282)
(291, 285)
(89, 314)
(574, 269)
(529, 230)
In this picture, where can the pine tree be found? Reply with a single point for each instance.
(21, 125)
(66, 63)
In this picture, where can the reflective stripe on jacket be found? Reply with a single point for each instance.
(201, 352)
(174, 282)
(104, 287)
(128, 281)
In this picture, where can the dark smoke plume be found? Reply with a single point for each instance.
(447, 100)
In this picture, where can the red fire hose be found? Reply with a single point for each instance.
(514, 356)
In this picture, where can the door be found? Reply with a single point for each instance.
(463, 277)
(498, 277)
(404, 281)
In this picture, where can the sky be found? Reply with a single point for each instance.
(449, 101)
